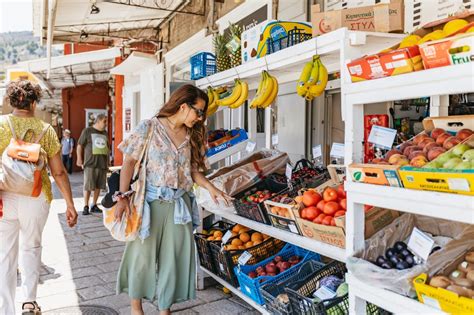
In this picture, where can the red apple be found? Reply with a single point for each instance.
(435, 152)
(277, 259)
(450, 142)
(270, 268)
(436, 132)
(442, 137)
(253, 274)
(464, 133)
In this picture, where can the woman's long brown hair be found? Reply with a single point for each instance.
(190, 94)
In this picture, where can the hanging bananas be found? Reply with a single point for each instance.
(313, 79)
(232, 98)
(266, 93)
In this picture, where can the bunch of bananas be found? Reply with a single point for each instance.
(223, 96)
(313, 79)
(266, 93)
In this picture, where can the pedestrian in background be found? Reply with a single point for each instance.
(93, 157)
(24, 217)
(67, 146)
(160, 264)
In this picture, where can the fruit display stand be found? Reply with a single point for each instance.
(437, 83)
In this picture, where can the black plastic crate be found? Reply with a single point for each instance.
(203, 245)
(270, 292)
(302, 178)
(225, 260)
(299, 294)
(256, 211)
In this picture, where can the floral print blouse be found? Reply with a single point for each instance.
(167, 165)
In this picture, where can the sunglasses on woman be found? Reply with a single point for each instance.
(199, 112)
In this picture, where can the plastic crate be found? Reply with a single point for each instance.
(202, 244)
(256, 211)
(202, 65)
(306, 180)
(251, 287)
(295, 36)
(225, 260)
(300, 295)
(271, 291)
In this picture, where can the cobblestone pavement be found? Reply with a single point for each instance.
(79, 267)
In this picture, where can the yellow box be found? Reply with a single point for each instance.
(441, 298)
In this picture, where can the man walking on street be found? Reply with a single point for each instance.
(67, 146)
(93, 156)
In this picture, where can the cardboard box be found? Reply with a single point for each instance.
(225, 143)
(419, 12)
(331, 5)
(444, 180)
(378, 18)
(449, 51)
(254, 40)
(375, 220)
(395, 62)
(445, 300)
(376, 174)
(286, 223)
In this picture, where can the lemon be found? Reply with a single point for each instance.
(454, 26)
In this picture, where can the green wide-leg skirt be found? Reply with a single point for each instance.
(162, 267)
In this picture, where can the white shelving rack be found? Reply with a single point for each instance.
(335, 49)
(438, 83)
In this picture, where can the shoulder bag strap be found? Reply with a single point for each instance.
(38, 139)
(11, 127)
(144, 150)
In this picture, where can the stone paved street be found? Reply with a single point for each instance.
(79, 267)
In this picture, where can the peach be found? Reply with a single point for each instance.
(450, 142)
(416, 153)
(410, 149)
(398, 159)
(404, 145)
(436, 132)
(424, 142)
(420, 137)
(435, 152)
(392, 152)
(430, 146)
(378, 161)
(442, 137)
(418, 161)
(464, 133)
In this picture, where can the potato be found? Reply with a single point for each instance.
(440, 282)
(470, 275)
(470, 257)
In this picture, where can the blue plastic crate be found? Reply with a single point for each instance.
(238, 135)
(251, 287)
(202, 65)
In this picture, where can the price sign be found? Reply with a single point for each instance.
(337, 150)
(289, 171)
(382, 136)
(274, 139)
(317, 151)
(250, 146)
(420, 244)
(244, 258)
(226, 237)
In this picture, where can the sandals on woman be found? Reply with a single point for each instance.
(30, 308)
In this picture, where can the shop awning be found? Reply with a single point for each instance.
(73, 70)
(134, 63)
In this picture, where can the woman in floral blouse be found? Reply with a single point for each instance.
(160, 266)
